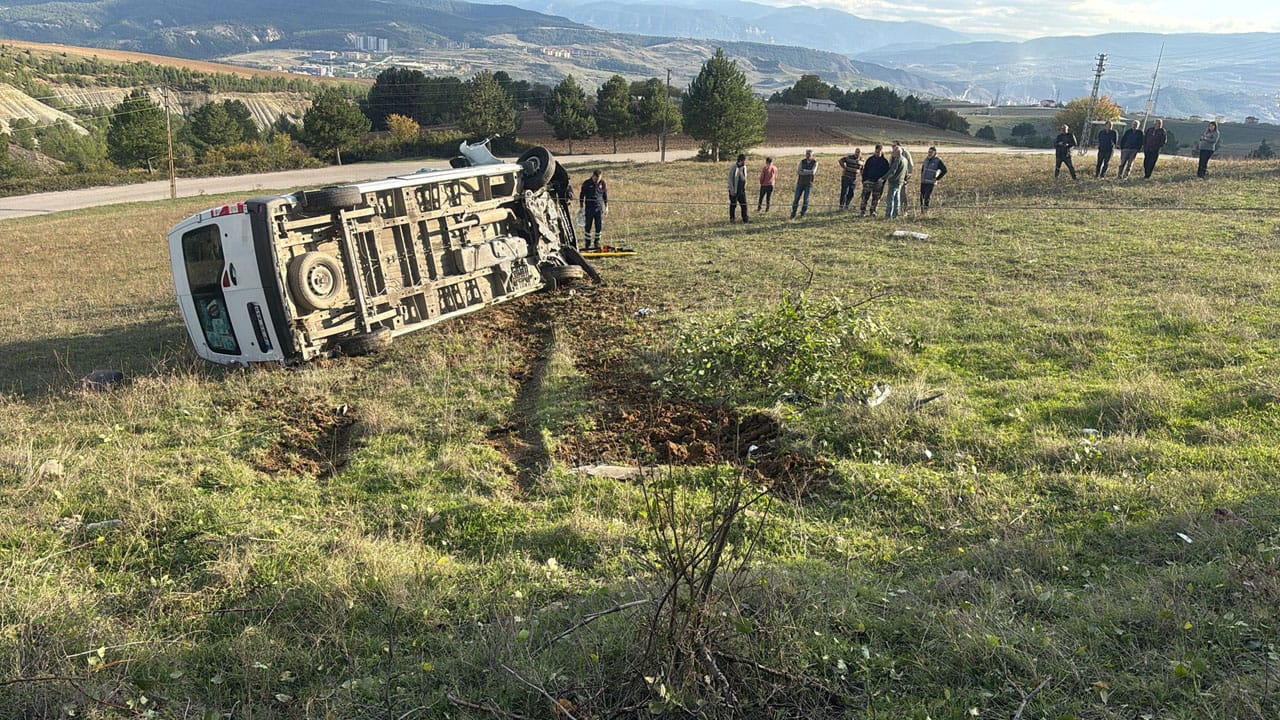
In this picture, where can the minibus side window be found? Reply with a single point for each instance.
(202, 254)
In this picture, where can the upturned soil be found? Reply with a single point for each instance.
(634, 422)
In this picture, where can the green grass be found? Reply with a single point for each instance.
(1107, 354)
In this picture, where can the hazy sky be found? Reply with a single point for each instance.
(1025, 19)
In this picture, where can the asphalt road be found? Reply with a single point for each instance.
(267, 183)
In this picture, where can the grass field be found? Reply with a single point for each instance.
(1065, 506)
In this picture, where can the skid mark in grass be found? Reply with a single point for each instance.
(519, 438)
(315, 439)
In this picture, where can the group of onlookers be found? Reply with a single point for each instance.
(887, 176)
(1150, 143)
(882, 177)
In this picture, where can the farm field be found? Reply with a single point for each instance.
(1024, 467)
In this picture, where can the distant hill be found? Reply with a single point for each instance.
(199, 29)
(1235, 75)
(818, 28)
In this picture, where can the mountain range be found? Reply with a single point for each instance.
(1200, 74)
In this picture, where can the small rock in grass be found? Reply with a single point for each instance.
(102, 380)
(49, 469)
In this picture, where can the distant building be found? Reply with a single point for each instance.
(819, 105)
(1194, 118)
(1251, 120)
(1048, 103)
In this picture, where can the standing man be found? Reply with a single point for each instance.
(1130, 144)
(1107, 140)
(593, 198)
(805, 171)
(893, 180)
(738, 187)
(1207, 146)
(768, 176)
(1155, 139)
(910, 162)
(1062, 146)
(873, 172)
(850, 165)
(931, 171)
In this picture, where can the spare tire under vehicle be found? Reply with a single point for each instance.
(316, 281)
(331, 198)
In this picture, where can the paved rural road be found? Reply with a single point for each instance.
(52, 202)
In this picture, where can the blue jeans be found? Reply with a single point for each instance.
(893, 201)
(795, 201)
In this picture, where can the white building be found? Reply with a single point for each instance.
(819, 105)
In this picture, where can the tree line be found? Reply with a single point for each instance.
(881, 101)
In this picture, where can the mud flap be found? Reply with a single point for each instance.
(575, 258)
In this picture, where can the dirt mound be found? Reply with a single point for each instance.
(314, 439)
(635, 422)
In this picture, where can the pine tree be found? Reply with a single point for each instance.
(333, 122)
(720, 110)
(487, 109)
(211, 127)
(137, 133)
(398, 91)
(613, 110)
(567, 112)
(653, 106)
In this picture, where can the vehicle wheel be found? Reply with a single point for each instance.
(331, 198)
(458, 161)
(567, 275)
(316, 281)
(576, 260)
(366, 344)
(539, 166)
(560, 176)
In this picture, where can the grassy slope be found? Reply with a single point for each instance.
(250, 578)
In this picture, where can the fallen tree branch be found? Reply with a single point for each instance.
(484, 708)
(560, 708)
(592, 618)
(1026, 697)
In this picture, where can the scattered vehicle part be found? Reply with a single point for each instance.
(345, 269)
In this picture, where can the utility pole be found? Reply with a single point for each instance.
(1093, 99)
(1151, 95)
(666, 108)
(168, 132)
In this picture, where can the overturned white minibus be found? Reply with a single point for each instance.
(346, 269)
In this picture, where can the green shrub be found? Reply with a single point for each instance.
(801, 349)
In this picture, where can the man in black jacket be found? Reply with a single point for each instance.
(1130, 144)
(1106, 146)
(594, 201)
(1062, 146)
(873, 172)
(1155, 139)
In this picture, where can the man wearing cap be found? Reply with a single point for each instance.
(594, 201)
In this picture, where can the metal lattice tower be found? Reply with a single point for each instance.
(1093, 99)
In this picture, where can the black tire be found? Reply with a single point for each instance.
(567, 275)
(539, 167)
(331, 198)
(366, 344)
(560, 177)
(575, 258)
(316, 281)
(458, 161)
